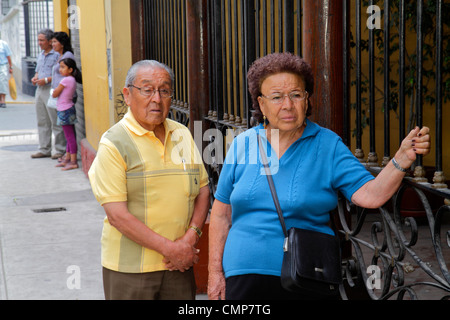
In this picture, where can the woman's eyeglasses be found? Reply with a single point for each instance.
(295, 96)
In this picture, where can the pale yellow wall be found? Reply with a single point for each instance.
(91, 25)
(118, 41)
(60, 15)
(94, 66)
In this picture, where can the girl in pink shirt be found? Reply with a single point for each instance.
(65, 108)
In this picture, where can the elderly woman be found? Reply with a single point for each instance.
(310, 165)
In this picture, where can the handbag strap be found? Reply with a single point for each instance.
(271, 185)
(274, 192)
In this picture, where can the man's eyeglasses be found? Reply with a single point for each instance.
(295, 96)
(149, 92)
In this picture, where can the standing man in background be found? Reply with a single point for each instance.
(46, 117)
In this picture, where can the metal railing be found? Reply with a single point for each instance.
(166, 39)
(413, 265)
(240, 32)
(38, 15)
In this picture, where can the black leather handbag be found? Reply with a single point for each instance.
(311, 263)
(311, 260)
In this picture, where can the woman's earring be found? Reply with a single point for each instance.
(264, 122)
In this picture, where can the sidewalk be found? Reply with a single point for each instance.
(50, 223)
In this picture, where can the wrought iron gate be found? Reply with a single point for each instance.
(167, 42)
(37, 15)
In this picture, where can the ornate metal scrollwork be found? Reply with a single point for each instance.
(399, 258)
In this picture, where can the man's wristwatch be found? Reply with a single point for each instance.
(197, 230)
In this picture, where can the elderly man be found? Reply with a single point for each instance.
(46, 117)
(154, 193)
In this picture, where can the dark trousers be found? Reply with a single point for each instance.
(261, 287)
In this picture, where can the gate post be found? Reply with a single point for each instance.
(323, 49)
(197, 50)
(198, 79)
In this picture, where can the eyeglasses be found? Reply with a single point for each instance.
(295, 96)
(149, 92)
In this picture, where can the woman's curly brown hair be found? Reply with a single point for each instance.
(277, 63)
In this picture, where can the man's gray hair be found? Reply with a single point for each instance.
(47, 33)
(131, 75)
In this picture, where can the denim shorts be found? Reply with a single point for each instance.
(67, 117)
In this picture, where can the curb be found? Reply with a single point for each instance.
(19, 102)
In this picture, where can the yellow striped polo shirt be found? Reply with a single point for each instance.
(158, 182)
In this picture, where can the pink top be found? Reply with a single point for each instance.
(65, 99)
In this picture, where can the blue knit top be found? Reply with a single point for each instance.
(307, 178)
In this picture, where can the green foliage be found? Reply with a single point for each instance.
(428, 50)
